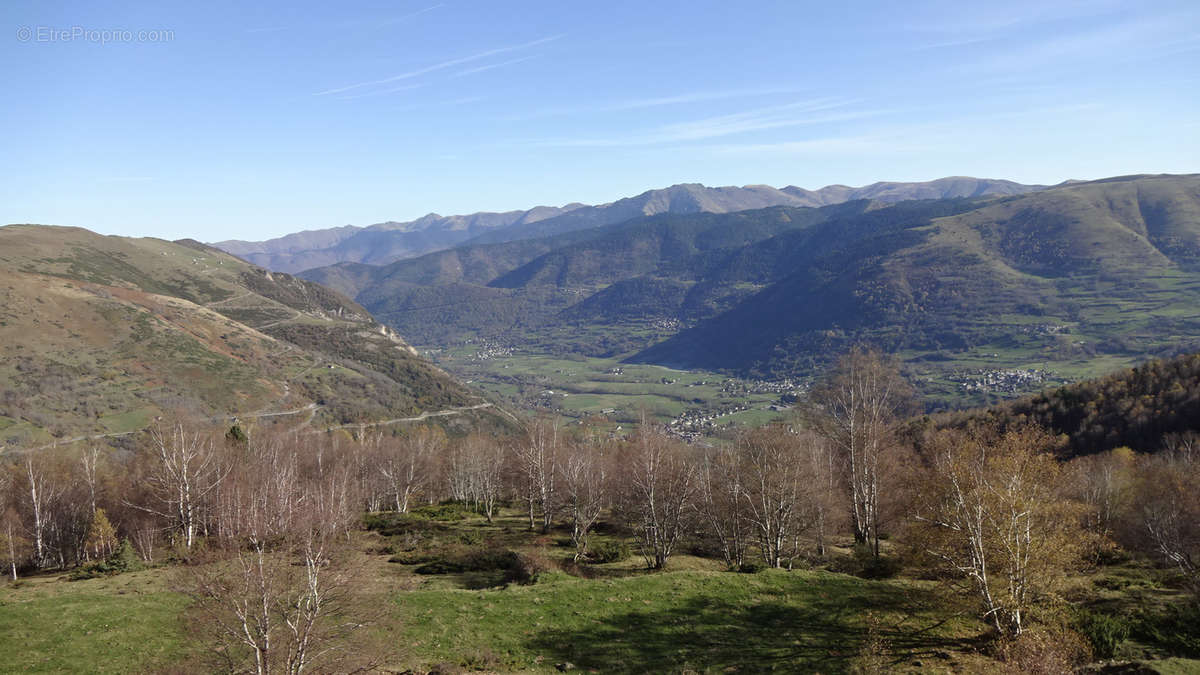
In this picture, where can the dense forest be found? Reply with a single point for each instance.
(1143, 408)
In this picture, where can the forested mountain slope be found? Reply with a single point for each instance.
(1115, 264)
(1146, 408)
(1059, 284)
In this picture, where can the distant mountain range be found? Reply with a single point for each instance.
(1074, 279)
(100, 335)
(387, 242)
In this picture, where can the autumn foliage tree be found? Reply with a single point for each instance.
(990, 514)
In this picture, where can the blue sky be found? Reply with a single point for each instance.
(250, 120)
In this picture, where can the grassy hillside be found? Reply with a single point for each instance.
(100, 335)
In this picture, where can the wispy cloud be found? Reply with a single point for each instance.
(381, 92)
(825, 145)
(772, 117)
(410, 15)
(491, 66)
(960, 23)
(654, 102)
(801, 113)
(1141, 37)
(437, 66)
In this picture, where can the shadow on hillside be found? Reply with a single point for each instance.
(713, 634)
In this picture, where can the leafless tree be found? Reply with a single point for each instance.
(42, 491)
(1166, 511)
(89, 462)
(855, 408)
(534, 459)
(408, 463)
(661, 481)
(12, 542)
(722, 505)
(1105, 484)
(475, 472)
(584, 474)
(826, 499)
(780, 489)
(1184, 445)
(183, 471)
(278, 597)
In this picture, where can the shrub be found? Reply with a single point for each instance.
(445, 512)
(1105, 632)
(870, 566)
(514, 567)
(1044, 651)
(608, 551)
(527, 568)
(470, 537)
(751, 566)
(1173, 629)
(388, 524)
(123, 559)
(481, 658)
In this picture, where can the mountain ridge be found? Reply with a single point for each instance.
(387, 242)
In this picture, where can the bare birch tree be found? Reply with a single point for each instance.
(722, 505)
(534, 459)
(779, 489)
(278, 596)
(13, 544)
(42, 491)
(661, 482)
(583, 471)
(1166, 511)
(476, 473)
(408, 464)
(184, 470)
(855, 408)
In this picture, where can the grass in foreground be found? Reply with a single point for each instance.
(124, 624)
(687, 621)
